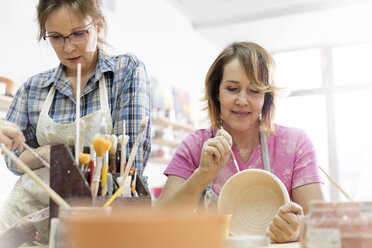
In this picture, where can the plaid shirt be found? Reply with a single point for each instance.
(128, 94)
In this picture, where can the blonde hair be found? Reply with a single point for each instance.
(260, 68)
(82, 8)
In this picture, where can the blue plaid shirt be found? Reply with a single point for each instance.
(128, 89)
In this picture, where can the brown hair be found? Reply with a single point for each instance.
(82, 8)
(259, 66)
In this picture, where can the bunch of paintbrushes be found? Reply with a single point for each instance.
(101, 144)
(130, 162)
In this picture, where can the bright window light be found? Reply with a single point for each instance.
(352, 64)
(308, 113)
(354, 143)
(299, 69)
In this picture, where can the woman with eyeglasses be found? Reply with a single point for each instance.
(115, 88)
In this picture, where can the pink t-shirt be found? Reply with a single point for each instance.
(292, 158)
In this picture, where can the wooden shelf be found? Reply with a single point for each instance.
(166, 142)
(5, 102)
(176, 125)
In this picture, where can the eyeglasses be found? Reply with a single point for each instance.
(77, 37)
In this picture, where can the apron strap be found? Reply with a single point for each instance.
(265, 152)
(48, 101)
(103, 95)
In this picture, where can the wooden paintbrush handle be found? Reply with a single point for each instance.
(59, 200)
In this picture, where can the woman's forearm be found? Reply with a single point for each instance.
(187, 194)
(32, 161)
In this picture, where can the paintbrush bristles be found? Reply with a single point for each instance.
(114, 142)
(84, 158)
(101, 146)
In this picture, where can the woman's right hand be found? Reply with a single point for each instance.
(215, 153)
(33, 162)
(11, 136)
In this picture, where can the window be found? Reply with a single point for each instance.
(329, 92)
(299, 69)
(352, 64)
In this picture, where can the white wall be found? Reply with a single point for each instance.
(153, 30)
(340, 25)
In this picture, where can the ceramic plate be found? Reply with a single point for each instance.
(253, 197)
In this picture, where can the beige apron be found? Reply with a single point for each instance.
(27, 197)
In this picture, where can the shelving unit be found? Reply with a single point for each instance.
(173, 143)
(167, 142)
(165, 122)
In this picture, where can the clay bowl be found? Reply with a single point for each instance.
(41, 223)
(253, 197)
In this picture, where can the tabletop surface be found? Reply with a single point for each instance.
(285, 245)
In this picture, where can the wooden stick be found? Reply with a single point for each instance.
(123, 156)
(77, 116)
(59, 200)
(335, 184)
(130, 162)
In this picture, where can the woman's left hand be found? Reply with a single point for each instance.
(20, 232)
(285, 226)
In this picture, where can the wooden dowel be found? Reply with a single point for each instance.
(77, 115)
(123, 156)
(335, 184)
(59, 200)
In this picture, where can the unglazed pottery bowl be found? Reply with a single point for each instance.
(41, 223)
(253, 197)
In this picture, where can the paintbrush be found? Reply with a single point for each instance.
(133, 187)
(123, 158)
(112, 153)
(231, 153)
(335, 183)
(101, 146)
(130, 161)
(104, 175)
(92, 163)
(81, 143)
(77, 116)
(56, 198)
(36, 155)
(110, 184)
(84, 159)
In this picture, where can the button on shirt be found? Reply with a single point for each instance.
(128, 89)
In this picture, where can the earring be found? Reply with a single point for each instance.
(260, 117)
(221, 122)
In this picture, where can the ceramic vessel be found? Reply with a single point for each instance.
(41, 223)
(253, 197)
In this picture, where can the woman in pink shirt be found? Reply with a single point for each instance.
(240, 95)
